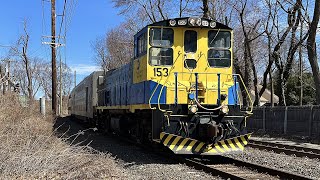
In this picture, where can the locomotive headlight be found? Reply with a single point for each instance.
(213, 24)
(193, 109)
(225, 109)
(192, 22)
(198, 21)
(172, 22)
(205, 23)
(182, 22)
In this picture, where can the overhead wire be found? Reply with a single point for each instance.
(45, 48)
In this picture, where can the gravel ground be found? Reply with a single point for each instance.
(138, 164)
(132, 160)
(299, 139)
(303, 166)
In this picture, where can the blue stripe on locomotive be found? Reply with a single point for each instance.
(232, 95)
(151, 85)
(141, 93)
(119, 89)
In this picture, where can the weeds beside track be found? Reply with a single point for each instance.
(29, 148)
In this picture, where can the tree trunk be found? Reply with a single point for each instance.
(28, 73)
(249, 66)
(271, 89)
(312, 54)
(205, 9)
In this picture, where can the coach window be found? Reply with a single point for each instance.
(161, 53)
(219, 43)
(190, 41)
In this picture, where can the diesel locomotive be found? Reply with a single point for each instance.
(178, 90)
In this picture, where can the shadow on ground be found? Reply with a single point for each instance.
(78, 133)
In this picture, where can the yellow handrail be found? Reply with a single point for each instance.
(251, 103)
(169, 74)
(158, 83)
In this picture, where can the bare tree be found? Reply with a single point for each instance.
(28, 78)
(155, 10)
(116, 48)
(205, 8)
(28, 67)
(284, 65)
(44, 78)
(221, 11)
(312, 54)
(184, 7)
(100, 51)
(249, 27)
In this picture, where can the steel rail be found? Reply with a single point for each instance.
(198, 164)
(299, 151)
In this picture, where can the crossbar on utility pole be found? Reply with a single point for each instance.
(53, 58)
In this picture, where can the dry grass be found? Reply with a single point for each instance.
(29, 150)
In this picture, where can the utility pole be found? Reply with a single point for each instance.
(75, 78)
(53, 60)
(2, 77)
(60, 110)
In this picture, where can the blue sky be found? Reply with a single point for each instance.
(89, 20)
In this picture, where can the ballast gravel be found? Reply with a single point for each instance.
(136, 164)
(133, 162)
(303, 166)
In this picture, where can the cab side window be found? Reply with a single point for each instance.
(141, 45)
(161, 53)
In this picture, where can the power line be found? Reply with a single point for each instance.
(63, 15)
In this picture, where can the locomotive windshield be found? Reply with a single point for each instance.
(161, 53)
(219, 43)
(161, 37)
(219, 39)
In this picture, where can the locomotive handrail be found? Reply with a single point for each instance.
(219, 74)
(198, 73)
(245, 88)
(179, 53)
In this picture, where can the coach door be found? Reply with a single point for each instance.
(87, 98)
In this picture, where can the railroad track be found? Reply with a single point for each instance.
(226, 167)
(298, 151)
